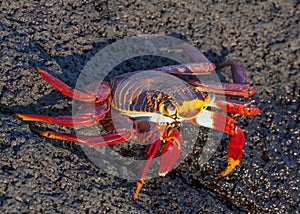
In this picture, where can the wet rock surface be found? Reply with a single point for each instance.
(40, 175)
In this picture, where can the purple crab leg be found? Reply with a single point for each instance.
(233, 89)
(202, 65)
(238, 70)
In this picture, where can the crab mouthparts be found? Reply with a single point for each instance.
(155, 118)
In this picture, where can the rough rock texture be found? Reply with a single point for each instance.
(43, 176)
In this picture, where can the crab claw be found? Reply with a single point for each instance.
(170, 152)
(235, 151)
(151, 151)
(221, 122)
(236, 107)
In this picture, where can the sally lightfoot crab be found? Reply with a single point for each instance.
(164, 101)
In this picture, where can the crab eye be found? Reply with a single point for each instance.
(171, 108)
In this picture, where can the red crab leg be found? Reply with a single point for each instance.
(91, 96)
(151, 151)
(90, 116)
(233, 89)
(236, 107)
(236, 143)
(169, 155)
(80, 120)
(106, 139)
(171, 150)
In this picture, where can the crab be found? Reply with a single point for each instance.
(154, 97)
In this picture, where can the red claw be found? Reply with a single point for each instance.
(235, 151)
(236, 107)
(170, 152)
(221, 122)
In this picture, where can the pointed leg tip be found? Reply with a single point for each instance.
(38, 69)
(232, 164)
(139, 184)
(134, 198)
(46, 134)
(24, 117)
(162, 174)
(223, 173)
(17, 115)
(43, 133)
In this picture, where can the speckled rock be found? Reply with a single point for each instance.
(43, 176)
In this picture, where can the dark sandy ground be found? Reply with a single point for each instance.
(43, 176)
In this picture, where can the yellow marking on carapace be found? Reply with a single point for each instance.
(133, 93)
(137, 98)
(156, 102)
(143, 102)
(122, 89)
(190, 109)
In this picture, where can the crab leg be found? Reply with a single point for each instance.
(100, 95)
(232, 89)
(106, 139)
(238, 70)
(201, 65)
(236, 143)
(169, 155)
(151, 151)
(80, 120)
(91, 115)
(236, 107)
(171, 150)
(199, 68)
